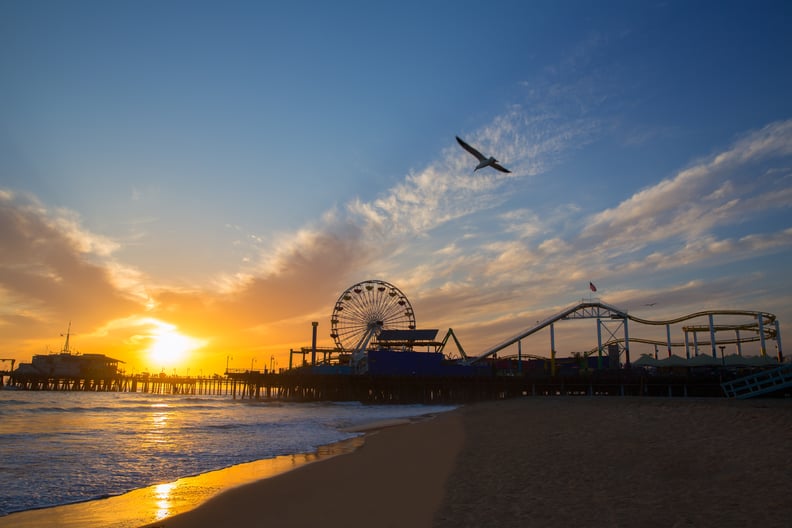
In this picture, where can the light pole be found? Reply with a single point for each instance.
(227, 358)
(313, 343)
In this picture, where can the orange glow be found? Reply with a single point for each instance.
(169, 348)
(178, 342)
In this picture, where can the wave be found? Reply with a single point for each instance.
(109, 409)
(64, 448)
(8, 403)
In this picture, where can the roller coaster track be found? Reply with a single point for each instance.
(674, 344)
(763, 325)
(768, 318)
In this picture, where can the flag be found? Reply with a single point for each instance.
(592, 287)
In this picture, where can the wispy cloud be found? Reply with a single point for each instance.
(717, 191)
(53, 270)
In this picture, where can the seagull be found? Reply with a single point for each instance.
(483, 160)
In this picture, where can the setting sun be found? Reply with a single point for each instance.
(169, 348)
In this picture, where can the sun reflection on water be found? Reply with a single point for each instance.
(159, 419)
(157, 432)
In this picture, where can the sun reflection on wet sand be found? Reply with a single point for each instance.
(162, 492)
(154, 503)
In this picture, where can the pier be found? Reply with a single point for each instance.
(210, 386)
(299, 386)
(390, 370)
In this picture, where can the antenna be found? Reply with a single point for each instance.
(66, 344)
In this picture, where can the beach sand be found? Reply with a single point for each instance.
(605, 462)
(395, 479)
(566, 461)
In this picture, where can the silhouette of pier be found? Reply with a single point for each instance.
(400, 375)
(300, 386)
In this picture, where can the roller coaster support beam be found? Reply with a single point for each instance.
(712, 336)
(668, 338)
(626, 344)
(762, 349)
(599, 343)
(739, 343)
(552, 350)
(519, 356)
(778, 342)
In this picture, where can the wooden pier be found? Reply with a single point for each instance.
(297, 385)
(210, 386)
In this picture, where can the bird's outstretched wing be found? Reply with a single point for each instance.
(470, 149)
(499, 167)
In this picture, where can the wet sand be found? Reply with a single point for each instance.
(153, 503)
(396, 478)
(569, 461)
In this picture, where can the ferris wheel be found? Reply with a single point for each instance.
(366, 308)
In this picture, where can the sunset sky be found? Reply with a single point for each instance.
(191, 183)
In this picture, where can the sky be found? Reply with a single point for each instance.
(189, 184)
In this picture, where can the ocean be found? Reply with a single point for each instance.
(59, 448)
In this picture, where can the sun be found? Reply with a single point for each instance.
(169, 348)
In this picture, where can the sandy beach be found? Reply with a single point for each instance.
(397, 478)
(541, 462)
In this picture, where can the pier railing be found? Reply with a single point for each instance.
(299, 385)
(123, 383)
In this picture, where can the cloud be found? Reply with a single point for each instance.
(697, 198)
(52, 271)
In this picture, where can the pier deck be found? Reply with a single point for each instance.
(302, 386)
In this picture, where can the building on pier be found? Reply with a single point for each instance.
(66, 364)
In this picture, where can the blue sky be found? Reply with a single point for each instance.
(227, 169)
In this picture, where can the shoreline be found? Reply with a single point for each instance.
(395, 478)
(149, 504)
(154, 503)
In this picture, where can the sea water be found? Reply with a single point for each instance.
(64, 447)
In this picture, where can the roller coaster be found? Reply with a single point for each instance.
(750, 326)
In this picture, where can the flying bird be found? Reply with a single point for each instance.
(484, 161)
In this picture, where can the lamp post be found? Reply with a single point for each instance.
(313, 343)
